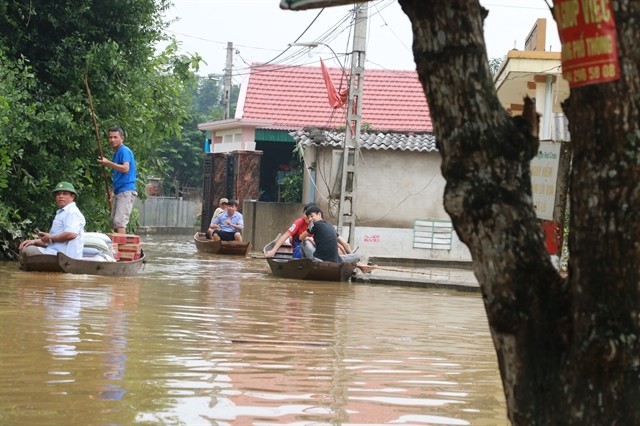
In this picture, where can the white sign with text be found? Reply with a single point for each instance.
(544, 178)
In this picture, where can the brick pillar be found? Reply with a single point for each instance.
(232, 175)
(246, 175)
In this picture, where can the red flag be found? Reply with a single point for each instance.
(336, 99)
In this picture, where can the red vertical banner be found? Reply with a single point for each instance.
(587, 31)
(552, 236)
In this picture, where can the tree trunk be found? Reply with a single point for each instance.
(568, 349)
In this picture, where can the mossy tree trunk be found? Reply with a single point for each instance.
(568, 349)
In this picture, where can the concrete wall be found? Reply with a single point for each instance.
(393, 188)
(397, 187)
(263, 221)
(398, 243)
(169, 212)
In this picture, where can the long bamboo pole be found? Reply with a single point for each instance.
(369, 268)
(95, 128)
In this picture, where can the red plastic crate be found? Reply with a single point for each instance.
(133, 248)
(125, 238)
(128, 256)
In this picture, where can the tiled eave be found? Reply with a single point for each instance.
(233, 123)
(425, 142)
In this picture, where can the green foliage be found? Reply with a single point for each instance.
(46, 50)
(207, 97)
(182, 155)
(16, 114)
(291, 186)
(495, 64)
(12, 230)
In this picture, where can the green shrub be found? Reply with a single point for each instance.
(291, 186)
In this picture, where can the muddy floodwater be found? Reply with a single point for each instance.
(196, 339)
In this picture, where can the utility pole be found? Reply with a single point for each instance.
(351, 150)
(227, 81)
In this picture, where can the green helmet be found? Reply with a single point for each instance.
(65, 186)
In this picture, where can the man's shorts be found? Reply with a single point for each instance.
(225, 235)
(121, 207)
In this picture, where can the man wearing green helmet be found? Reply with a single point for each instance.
(67, 230)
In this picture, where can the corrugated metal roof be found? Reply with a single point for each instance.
(294, 97)
(377, 141)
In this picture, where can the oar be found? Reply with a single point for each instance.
(95, 128)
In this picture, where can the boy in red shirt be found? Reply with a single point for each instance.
(294, 232)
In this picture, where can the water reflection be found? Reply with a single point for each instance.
(196, 339)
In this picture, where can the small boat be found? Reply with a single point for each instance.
(233, 248)
(99, 257)
(63, 263)
(284, 265)
(121, 268)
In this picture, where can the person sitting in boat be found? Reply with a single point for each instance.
(228, 225)
(67, 230)
(222, 206)
(293, 233)
(326, 240)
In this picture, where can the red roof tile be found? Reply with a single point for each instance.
(294, 97)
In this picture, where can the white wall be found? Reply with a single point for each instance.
(398, 243)
(397, 187)
(393, 190)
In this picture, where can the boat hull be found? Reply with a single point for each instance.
(231, 248)
(307, 269)
(285, 266)
(40, 263)
(108, 269)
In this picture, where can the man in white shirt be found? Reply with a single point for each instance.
(67, 230)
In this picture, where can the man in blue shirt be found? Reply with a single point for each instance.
(228, 225)
(67, 230)
(124, 194)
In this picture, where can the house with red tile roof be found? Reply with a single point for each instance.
(296, 97)
(399, 186)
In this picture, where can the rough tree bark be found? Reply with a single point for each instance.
(568, 349)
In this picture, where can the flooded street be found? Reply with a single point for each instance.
(197, 339)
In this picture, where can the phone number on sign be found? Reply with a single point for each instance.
(593, 73)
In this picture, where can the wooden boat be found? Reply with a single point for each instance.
(63, 263)
(40, 263)
(284, 265)
(233, 248)
(121, 268)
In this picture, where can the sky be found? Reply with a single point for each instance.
(261, 32)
